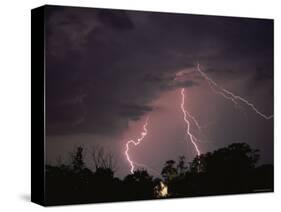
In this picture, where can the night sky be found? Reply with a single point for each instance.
(108, 70)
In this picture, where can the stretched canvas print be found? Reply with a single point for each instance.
(134, 105)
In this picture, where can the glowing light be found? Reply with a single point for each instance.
(185, 115)
(139, 140)
(161, 190)
(189, 119)
(229, 95)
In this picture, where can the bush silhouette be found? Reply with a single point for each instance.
(229, 170)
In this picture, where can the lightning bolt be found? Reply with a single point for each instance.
(186, 114)
(139, 140)
(229, 95)
(189, 119)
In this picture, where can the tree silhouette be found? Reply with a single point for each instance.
(139, 185)
(77, 159)
(181, 166)
(169, 171)
(228, 170)
(237, 157)
(103, 159)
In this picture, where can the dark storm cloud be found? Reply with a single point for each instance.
(116, 19)
(262, 72)
(104, 67)
(134, 111)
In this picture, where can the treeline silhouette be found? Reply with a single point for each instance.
(228, 170)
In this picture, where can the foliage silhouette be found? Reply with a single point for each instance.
(139, 185)
(169, 171)
(229, 170)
